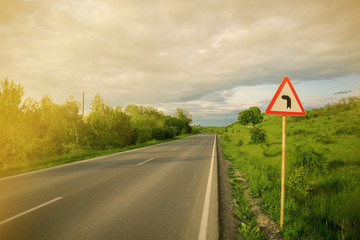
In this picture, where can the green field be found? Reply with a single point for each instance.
(322, 171)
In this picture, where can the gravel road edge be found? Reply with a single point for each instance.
(227, 220)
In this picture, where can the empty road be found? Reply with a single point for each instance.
(165, 191)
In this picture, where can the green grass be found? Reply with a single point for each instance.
(23, 167)
(322, 171)
(247, 227)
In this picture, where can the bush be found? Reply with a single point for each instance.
(157, 133)
(134, 136)
(329, 185)
(335, 164)
(325, 139)
(226, 137)
(269, 151)
(299, 186)
(258, 135)
(348, 130)
(300, 131)
(253, 115)
(310, 159)
(195, 130)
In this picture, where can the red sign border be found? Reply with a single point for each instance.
(268, 110)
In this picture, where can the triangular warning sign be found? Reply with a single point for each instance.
(285, 101)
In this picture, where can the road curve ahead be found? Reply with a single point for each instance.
(166, 191)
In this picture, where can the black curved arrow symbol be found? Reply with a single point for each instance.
(288, 99)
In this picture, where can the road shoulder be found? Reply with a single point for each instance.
(227, 220)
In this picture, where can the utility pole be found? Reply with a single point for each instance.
(83, 100)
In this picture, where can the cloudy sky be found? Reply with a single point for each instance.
(214, 58)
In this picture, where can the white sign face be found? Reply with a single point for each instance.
(285, 101)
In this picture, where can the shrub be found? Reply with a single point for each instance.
(330, 184)
(300, 131)
(184, 131)
(335, 164)
(325, 139)
(298, 184)
(257, 183)
(253, 115)
(269, 151)
(348, 130)
(240, 143)
(169, 132)
(226, 137)
(310, 159)
(258, 135)
(195, 130)
(157, 133)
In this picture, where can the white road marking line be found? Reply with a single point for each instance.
(174, 149)
(206, 209)
(30, 210)
(145, 161)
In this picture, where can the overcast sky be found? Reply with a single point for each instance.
(214, 58)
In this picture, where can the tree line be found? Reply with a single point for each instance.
(32, 130)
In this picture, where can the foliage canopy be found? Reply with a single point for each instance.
(252, 115)
(33, 130)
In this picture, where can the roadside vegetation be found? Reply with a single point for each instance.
(38, 134)
(322, 171)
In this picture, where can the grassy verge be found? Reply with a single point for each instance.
(247, 227)
(74, 157)
(322, 172)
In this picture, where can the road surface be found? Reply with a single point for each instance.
(165, 191)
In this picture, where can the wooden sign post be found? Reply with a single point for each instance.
(285, 102)
(283, 171)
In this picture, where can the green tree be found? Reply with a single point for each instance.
(186, 117)
(144, 120)
(10, 98)
(51, 129)
(100, 120)
(108, 127)
(33, 130)
(120, 126)
(173, 126)
(11, 116)
(253, 115)
(73, 125)
(258, 135)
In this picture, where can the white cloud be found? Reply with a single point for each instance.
(150, 52)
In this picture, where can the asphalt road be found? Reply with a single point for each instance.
(166, 191)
